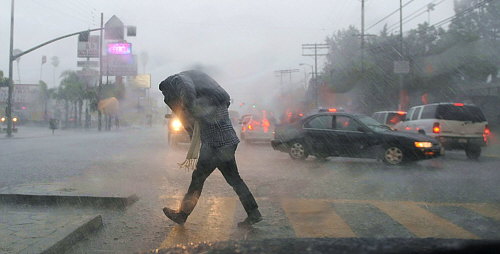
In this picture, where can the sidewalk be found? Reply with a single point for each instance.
(43, 230)
(52, 218)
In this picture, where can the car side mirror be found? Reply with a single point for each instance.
(168, 116)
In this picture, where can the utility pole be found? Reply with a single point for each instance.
(99, 87)
(8, 111)
(362, 36)
(315, 47)
(284, 72)
(401, 82)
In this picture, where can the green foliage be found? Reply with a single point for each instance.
(440, 59)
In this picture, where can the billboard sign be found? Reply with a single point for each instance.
(119, 48)
(119, 65)
(140, 81)
(89, 48)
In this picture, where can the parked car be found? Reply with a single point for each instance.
(256, 127)
(455, 125)
(352, 135)
(389, 118)
(176, 132)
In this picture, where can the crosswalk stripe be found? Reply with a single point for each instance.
(212, 224)
(313, 218)
(485, 210)
(421, 222)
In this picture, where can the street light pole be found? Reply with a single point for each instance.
(401, 81)
(8, 110)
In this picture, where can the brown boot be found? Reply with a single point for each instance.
(177, 217)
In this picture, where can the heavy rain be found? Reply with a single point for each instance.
(249, 126)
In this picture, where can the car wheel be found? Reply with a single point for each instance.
(393, 155)
(298, 151)
(473, 152)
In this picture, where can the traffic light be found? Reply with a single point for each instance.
(84, 36)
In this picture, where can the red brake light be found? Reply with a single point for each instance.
(436, 128)
(332, 110)
(401, 113)
(486, 130)
(486, 133)
(301, 115)
(458, 104)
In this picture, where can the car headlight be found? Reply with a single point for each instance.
(14, 119)
(423, 144)
(2, 119)
(176, 125)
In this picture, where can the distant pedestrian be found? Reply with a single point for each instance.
(202, 106)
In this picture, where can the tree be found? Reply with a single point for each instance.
(72, 90)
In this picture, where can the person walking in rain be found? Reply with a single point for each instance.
(202, 106)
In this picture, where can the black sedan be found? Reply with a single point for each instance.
(352, 135)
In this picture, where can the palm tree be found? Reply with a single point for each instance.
(72, 90)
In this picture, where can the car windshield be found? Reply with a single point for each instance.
(373, 124)
(189, 126)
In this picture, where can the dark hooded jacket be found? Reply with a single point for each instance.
(193, 95)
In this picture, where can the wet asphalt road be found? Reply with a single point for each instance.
(449, 197)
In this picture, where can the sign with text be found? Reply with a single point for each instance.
(87, 64)
(401, 67)
(119, 65)
(89, 48)
(119, 48)
(140, 81)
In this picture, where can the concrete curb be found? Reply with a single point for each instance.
(77, 235)
(99, 202)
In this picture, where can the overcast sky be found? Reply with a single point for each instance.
(241, 42)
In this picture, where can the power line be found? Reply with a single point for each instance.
(390, 14)
(414, 15)
(466, 11)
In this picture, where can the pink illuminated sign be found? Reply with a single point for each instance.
(119, 48)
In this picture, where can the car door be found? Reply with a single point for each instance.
(352, 140)
(319, 135)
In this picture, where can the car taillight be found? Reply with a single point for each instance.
(436, 128)
(250, 127)
(486, 133)
(486, 130)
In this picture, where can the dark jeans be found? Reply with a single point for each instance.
(223, 159)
